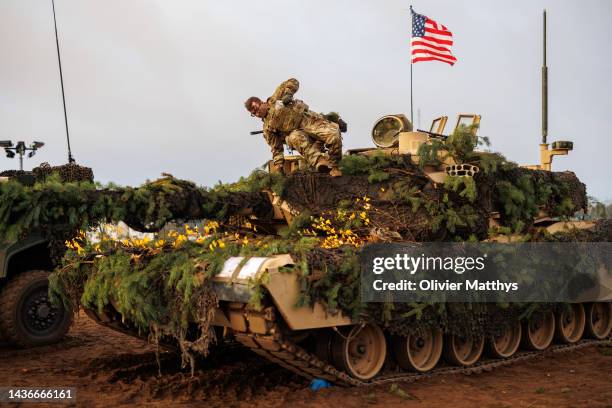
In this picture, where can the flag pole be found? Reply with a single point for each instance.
(411, 112)
(411, 104)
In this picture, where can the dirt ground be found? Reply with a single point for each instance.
(111, 369)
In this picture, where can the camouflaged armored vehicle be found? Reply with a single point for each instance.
(316, 343)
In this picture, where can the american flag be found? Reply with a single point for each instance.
(430, 41)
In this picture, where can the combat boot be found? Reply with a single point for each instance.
(335, 172)
(323, 165)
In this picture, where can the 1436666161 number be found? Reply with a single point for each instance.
(21, 394)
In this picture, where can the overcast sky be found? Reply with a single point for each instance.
(158, 86)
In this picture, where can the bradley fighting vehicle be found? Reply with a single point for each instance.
(318, 344)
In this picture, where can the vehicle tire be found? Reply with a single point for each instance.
(27, 316)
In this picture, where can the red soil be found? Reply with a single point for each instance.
(111, 369)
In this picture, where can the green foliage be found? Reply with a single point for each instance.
(461, 143)
(451, 218)
(459, 146)
(464, 185)
(375, 165)
(566, 206)
(162, 290)
(24, 208)
(338, 286)
(490, 163)
(403, 190)
(59, 209)
(303, 220)
(166, 289)
(518, 200)
(258, 292)
(258, 180)
(354, 164)
(378, 176)
(429, 153)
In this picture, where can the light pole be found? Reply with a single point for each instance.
(20, 149)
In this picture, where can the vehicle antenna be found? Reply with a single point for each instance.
(59, 61)
(544, 87)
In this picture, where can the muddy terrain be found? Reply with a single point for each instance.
(111, 369)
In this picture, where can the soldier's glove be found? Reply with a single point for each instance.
(279, 104)
(286, 99)
(342, 125)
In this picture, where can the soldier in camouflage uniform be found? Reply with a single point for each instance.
(289, 121)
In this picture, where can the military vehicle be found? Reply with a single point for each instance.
(315, 343)
(27, 317)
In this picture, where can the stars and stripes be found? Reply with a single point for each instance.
(430, 41)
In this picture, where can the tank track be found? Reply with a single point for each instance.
(277, 348)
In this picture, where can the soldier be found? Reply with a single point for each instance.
(289, 121)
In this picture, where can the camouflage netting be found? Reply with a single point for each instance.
(162, 287)
(70, 172)
(406, 204)
(54, 207)
(601, 232)
(14, 173)
(410, 204)
(20, 176)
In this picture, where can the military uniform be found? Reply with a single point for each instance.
(290, 121)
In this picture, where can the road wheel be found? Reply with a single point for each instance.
(506, 343)
(539, 331)
(570, 323)
(419, 353)
(463, 351)
(361, 352)
(27, 316)
(599, 320)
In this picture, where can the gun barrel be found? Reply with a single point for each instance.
(256, 132)
(432, 134)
